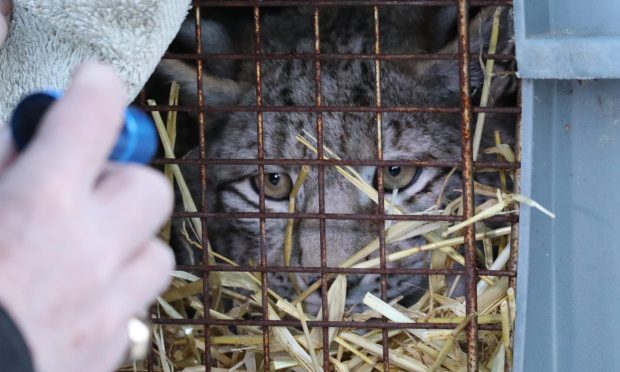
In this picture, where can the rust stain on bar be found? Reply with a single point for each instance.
(318, 101)
(342, 270)
(334, 162)
(261, 185)
(380, 189)
(328, 56)
(203, 176)
(320, 323)
(468, 183)
(332, 216)
(514, 236)
(407, 109)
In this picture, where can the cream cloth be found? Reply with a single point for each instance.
(48, 38)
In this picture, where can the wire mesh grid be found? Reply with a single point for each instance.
(470, 271)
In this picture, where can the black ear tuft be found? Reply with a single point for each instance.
(480, 33)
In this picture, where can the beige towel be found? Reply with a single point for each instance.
(48, 38)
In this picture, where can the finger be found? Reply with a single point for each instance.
(145, 275)
(103, 324)
(133, 289)
(135, 201)
(7, 148)
(78, 132)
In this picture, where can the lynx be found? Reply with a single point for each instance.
(352, 135)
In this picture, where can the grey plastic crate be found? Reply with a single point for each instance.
(568, 286)
(568, 39)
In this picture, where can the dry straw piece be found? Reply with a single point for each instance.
(238, 295)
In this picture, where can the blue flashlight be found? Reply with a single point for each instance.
(137, 142)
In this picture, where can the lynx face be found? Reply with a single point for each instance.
(350, 135)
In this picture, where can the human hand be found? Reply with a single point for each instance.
(6, 8)
(78, 253)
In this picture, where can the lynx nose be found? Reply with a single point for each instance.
(343, 238)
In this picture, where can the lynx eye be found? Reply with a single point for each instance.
(399, 177)
(278, 186)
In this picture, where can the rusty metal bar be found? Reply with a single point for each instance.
(203, 177)
(320, 3)
(331, 216)
(514, 236)
(339, 270)
(142, 98)
(321, 178)
(149, 361)
(333, 162)
(291, 109)
(261, 185)
(517, 186)
(319, 323)
(380, 188)
(329, 56)
(468, 183)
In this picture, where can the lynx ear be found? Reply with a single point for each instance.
(479, 36)
(215, 39)
(216, 91)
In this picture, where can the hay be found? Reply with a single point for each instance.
(486, 85)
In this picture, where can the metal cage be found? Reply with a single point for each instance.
(466, 165)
